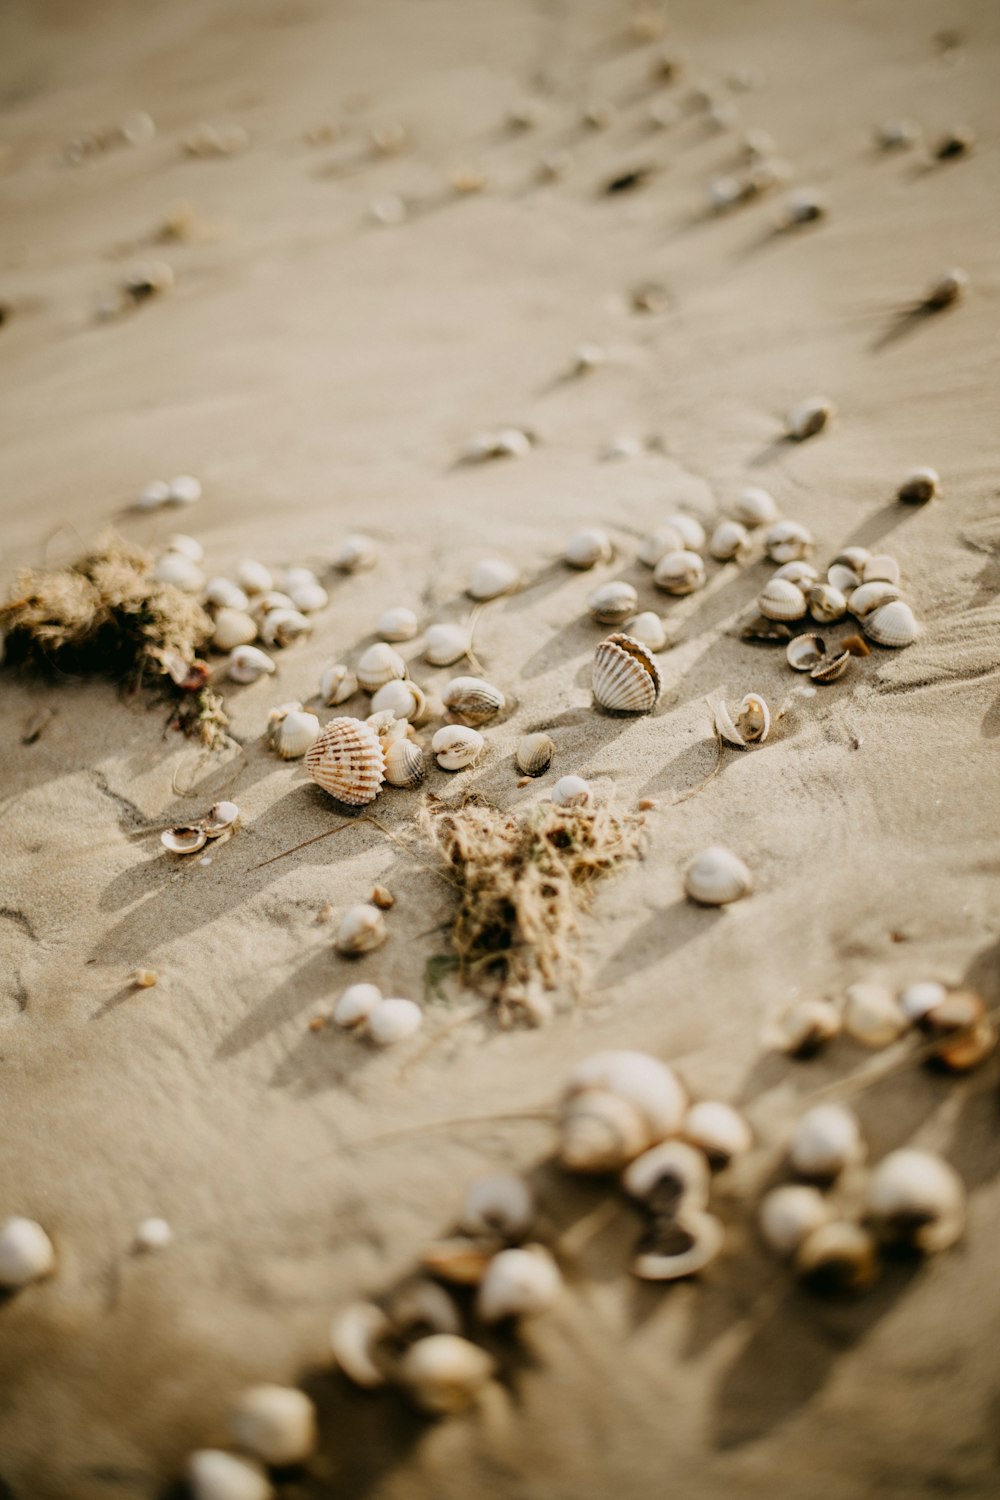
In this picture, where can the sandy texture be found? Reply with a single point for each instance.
(320, 373)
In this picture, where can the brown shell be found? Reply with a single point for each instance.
(348, 761)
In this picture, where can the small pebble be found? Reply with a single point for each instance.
(153, 1234)
(144, 979)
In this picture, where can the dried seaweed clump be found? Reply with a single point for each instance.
(106, 615)
(523, 881)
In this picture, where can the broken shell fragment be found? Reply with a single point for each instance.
(356, 1004)
(893, 624)
(668, 1178)
(678, 1246)
(534, 753)
(361, 929)
(919, 486)
(446, 644)
(397, 624)
(837, 1257)
(585, 548)
(755, 507)
(781, 600)
(807, 1026)
(337, 684)
(183, 840)
(679, 573)
(356, 551)
(292, 732)
(404, 764)
(572, 791)
(612, 603)
(789, 1214)
(378, 665)
(808, 417)
(961, 1030)
(276, 1423)
(26, 1252)
(872, 1015)
(717, 1129)
(455, 747)
(832, 668)
(491, 578)
(716, 877)
(788, 541)
(214, 1474)
(826, 1139)
(749, 726)
(730, 541)
(519, 1282)
(444, 1373)
(916, 1198)
(498, 1204)
(625, 678)
(355, 1334)
(804, 652)
(393, 1021)
(472, 699)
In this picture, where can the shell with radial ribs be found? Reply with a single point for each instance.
(893, 624)
(337, 684)
(472, 699)
(730, 541)
(750, 725)
(404, 764)
(780, 599)
(755, 507)
(534, 753)
(787, 541)
(378, 665)
(456, 747)
(348, 761)
(625, 676)
(292, 731)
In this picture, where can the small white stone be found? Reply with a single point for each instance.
(153, 1234)
(393, 1021)
(216, 1475)
(26, 1252)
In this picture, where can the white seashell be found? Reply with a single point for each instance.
(893, 624)
(789, 1214)
(612, 603)
(355, 1334)
(871, 596)
(679, 572)
(692, 532)
(838, 1256)
(798, 571)
(293, 733)
(378, 665)
(254, 577)
(152, 495)
(601, 1132)
(649, 630)
(804, 652)
(717, 1129)
(518, 1283)
(498, 1204)
(397, 624)
(348, 761)
(781, 600)
(840, 576)
(715, 877)
(637, 1079)
(749, 726)
(668, 1177)
(854, 557)
(187, 546)
(787, 541)
(394, 1021)
(402, 698)
(804, 206)
(446, 644)
(222, 593)
(872, 1015)
(826, 1139)
(247, 663)
(491, 578)
(680, 1246)
(625, 678)
(917, 1198)
(275, 1423)
(585, 548)
(184, 489)
(881, 568)
(295, 577)
(216, 1475)
(283, 627)
(809, 417)
(807, 1026)
(356, 1004)
(183, 840)
(444, 1373)
(458, 1259)
(826, 603)
(153, 1234)
(534, 754)
(309, 597)
(572, 791)
(919, 486)
(221, 818)
(730, 541)
(26, 1252)
(404, 764)
(918, 999)
(356, 551)
(455, 747)
(949, 287)
(233, 627)
(472, 699)
(337, 684)
(362, 928)
(658, 543)
(176, 569)
(755, 507)
(261, 605)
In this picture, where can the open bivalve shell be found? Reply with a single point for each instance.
(679, 1246)
(347, 761)
(668, 1177)
(804, 652)
(184, 840)
(444, 1373)
(472, 699)
(625, 676)
(716, 876)
(518, 1283)
(893, 624)
(223, 817)
(915, 1198)
(750, 725)
(355, 1335)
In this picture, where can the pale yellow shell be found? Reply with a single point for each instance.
(348, 762)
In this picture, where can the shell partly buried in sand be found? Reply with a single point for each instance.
(625, 676)
(715, 877)
(347, 760)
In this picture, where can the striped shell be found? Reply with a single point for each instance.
(404, 764)
(781, 600)
(534, 753)
(893, 624)
(348, 762)
(378, 665)
(625, 676)
(472, 699)
(871, 596)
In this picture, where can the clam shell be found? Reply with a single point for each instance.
(805, 652)
(787, 541)
(355, 1334)
(446, 644)
(668, 1176)
(601, 1132)
(175, 568)
(825, 1140)
(715, 877)
(356, 1004)
(222, 593)
(402, 698)
(750, 725)
(717, 1129)
(233, 627)
(247, 663)
(518, 1283)
(789, 1214)
(183, 840)
(309, 597)
(456, 747)
(839, 1256)
(730, 540)
(444, 1373)
(393, 1021)
(362, 928)
(356, 552)
(275, 1423)
(809, 417)
(337, 684)
(378, 665)
(498, 1203)
(918, 1197)
(649, 630)
(397, 624)
(781, 600)
(826, 603)
(893, 624)
(612, 603)
(347, 761)
(680, 572)
(648, 1084)
(404, 764)
(881, 568)
(691, 530)
(293, 733)
(224, 817)
(798, 571)
(213, 1474)
(854, 557)
(472, 699)
(253, 576)
(658, 543)
(491, 578)
(585, 548)
(755, 507)
(832, 668)
(572, 791)
(871, 596)
(919, 486)
(625, 678)
(282, 627)
(534, 754)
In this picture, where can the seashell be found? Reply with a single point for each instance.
(715, 877)
(222, 593)
(355, 1334)
(807, 1026)
(798, 572)
(309, 597)
(152, 1234)
(612, 603)
(152, 495)
(275, 1423)
(347, 761)
(789, 1214)
(214, 1474)
(362, 928)
(916, 1198)
(404, 764)
(679, 1246)
(402, 698)
(680, 572)
(356, 1004)
(294, 578)
(755, 507)
(961, 1030)
(397, 624)
(826, 603)
(918, 486)
(750, 726)
(418, 1307)
(585, 548)
(692, 532)
(378, 665)
(253, 577)
(804, 652)
(292, 732)
(717, 1129)
(893, 624)
(472, 699)
(625, 678)
(730, 541)
(762, 629)
(187, 546)
(444, 1373)
(183, 840)
(840, 576)
(917, 999)
(649, 630)
(518, 1283)
(184, 489)
(872, 1015)
(491, 578)
(781, 600)
(587, 357)
(26, 1252)
(394, 1021)
(658, 543)
(668, 1178)
(894, 134)
(881, 569)
(356, 551)
(283, 627)
(809, 417)
(946, 289)
(458, 1259)
(837, 1257)
(572, 791)
(788, 541)
(804, 206)
(262, 604)
(534, 753)
(616, 1104)
(826, 1139)
(233, 627)
(446, 644)
(337, 684)
(832, 668)
(176, 569)
(455, 747)
(871, 596)
(223, 817)
(498, 1204)
(247, 663)
(854, 557)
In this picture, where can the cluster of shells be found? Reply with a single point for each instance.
(857, 582)
(952, 1025)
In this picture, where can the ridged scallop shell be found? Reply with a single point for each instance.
(404, 764)
(378, 665)
(626, 678)
(781, 600)
(347, 761)
(798, 571)
(472, 699)
(534, 754)
(456, 747)
(831, 668)
(750, 725)
(893, 624)
(842, 577)
(291, 731)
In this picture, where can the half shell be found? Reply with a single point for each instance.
(612, 603)
(750, 725)
(472, 699)
(378, 665)
(404, 764)
(893, 624)
(805, 652)
(787, 541)
(781, 600)
(347, 761)
(625, 678)
(534, 754)
(681, 572)
(715, 877)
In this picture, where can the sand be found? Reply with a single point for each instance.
(320, 373)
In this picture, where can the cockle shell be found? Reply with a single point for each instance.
(397, 624)
(681, 572)
(572, 791)
(668, 1177)
(153, 494)
(798, 571)
(843, 578)
(854, 557)
(444, 1373)
(893, 624)
(355, 552)
(730, 541)
(781, 600)
(585, 548)
(152, 1234)
(26, 1252)
(402, 698)
(404, 764)
(233, 627)
(750, 725)
(253, 577)
(658, 543)
(715, 877)
(872, 1015)
(518, 1283)
(186, 546)
(826, 603)
(283, 627)
(612, 603)
(214, 1474)
(871, 596)
(222, 593)
(378, 665)
(261, 605)
(362, 928)
(356, 1004)
(616, 1104)
(826, 1139)
(455, 747)
(881, 568)
(175, 568)
(917, 1198)
(804, 206)
(472, 700)
(649, 630)
(949, 287)
(292, 731)
(355, 1334)
(787, 541)
(491, 578)
(498, 1203)
(808, 417)
(838, 1256)
(446, 644)
(625, 678)
(717, 1129)
(337, 684)
(309, 597)
(393, 1021)
(755, 507)
(534, 754)
(691, 530)
(789, 1214)
(183, 840)
(832, 668)
(347, 761)
(679, 1245)
(804, 652)
(222, 817)
(276, 1423)
(806, 1027)
(919, 486)
(917, 999)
